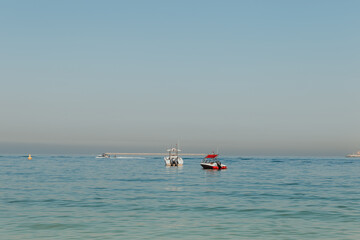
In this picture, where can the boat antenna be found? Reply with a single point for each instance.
(177, 149)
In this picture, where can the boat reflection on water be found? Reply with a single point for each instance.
(171, 170)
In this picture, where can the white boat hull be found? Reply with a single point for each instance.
(178, 161)
(354, 155)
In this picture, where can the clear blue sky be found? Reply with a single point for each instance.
(247, 77)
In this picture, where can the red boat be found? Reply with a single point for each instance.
(211, 162)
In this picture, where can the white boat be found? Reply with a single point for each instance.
(173, 159)
(211, 162)
(356, 155)
(104, 155)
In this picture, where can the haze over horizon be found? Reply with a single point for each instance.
(245, 77)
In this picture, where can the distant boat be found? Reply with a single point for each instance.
(356, 155)
(104, 155)
(173, 159)
(211, 162)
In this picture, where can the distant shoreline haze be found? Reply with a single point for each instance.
(28, 148)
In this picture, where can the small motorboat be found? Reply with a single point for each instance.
(356, 155)
(211, 162)
(173, 159)
(104, 155)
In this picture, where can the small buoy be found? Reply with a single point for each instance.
(29, 157)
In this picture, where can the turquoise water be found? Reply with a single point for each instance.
(81, 197)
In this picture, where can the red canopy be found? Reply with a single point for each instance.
(212, 156)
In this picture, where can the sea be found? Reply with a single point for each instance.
(83, 197)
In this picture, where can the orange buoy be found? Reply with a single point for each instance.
(29, 157)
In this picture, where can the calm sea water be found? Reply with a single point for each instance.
(81, 197)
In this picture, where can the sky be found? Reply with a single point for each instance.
(248, 78)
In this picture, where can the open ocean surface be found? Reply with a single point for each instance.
(81, 197)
